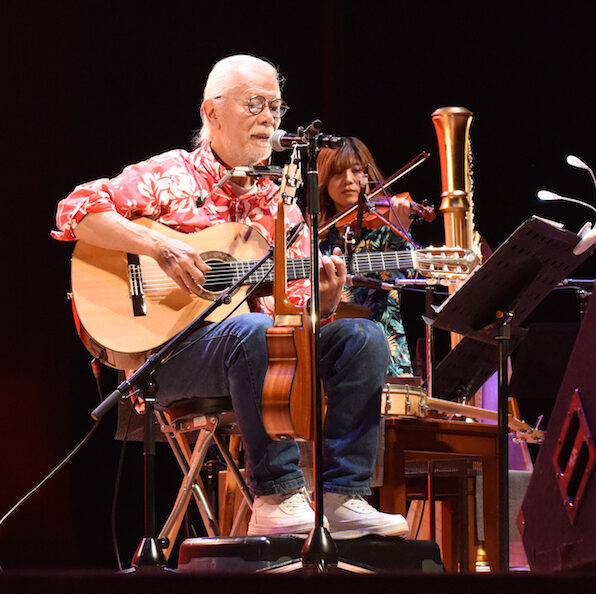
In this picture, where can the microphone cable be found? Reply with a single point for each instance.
(116, 493)
(51, 474)
(67, 459)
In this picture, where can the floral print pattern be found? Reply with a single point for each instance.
(177, 189)
(384, 306)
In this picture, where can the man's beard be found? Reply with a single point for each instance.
(251, 154)
(255, 154)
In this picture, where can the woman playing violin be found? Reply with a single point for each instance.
(342, 177)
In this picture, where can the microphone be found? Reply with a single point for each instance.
(280, 140)
(353, 280)
(546, 195)
(250, 171)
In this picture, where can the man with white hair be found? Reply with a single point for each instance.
(242, 107)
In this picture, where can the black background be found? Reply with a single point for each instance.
(93, 86)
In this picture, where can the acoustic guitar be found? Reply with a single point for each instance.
(126, 307)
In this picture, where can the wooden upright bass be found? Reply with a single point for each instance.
(287, 405)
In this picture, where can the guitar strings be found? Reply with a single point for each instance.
(225, 273)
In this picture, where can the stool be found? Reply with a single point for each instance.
(452, 481)
(211, 419)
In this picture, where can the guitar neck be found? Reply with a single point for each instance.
(298, 268)
(366, 262)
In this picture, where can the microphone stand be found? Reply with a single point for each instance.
(319, 553)
(319, 550)
(149, 553)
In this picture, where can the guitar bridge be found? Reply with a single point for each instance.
(135, 280)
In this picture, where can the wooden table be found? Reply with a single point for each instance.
(409, 438)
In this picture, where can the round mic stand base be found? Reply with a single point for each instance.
(149, 554)
(319, 551)
(149, 558)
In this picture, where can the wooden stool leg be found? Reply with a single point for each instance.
(230, 490)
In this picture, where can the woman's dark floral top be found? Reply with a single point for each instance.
(384, 306)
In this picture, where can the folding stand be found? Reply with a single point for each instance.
(491, 304)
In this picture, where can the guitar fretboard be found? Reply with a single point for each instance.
(223, 274)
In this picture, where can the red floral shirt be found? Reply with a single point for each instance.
(172, 189)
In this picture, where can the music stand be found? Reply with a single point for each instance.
(454, 378)
(491, 304)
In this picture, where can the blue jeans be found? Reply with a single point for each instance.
(231, 360)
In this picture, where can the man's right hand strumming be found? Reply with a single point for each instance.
(178, 260)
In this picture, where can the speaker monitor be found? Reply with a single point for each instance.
(558, 514)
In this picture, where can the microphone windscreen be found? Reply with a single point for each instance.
(275, 140)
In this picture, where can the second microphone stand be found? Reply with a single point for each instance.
(149, 553)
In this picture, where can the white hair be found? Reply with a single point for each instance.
(219, 82)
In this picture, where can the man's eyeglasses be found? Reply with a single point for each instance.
(256, 104)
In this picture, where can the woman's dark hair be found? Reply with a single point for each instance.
(334, 161)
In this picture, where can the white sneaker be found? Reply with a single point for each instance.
(282, 513)
(350, 516)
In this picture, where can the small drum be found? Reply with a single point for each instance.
(403, 400)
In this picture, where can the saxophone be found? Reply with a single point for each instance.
(452, 125)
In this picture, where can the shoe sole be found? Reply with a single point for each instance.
(286, 532)
(360, 532)
(299, 531)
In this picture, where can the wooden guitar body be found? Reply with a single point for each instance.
(122, 321)
(287, 393)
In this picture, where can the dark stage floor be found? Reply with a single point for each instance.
(107, 581)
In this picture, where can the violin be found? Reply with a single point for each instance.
(374, 208)
(370, 218)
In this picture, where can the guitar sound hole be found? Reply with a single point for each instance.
(219, 278)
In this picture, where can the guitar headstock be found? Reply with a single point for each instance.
(445, 262)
